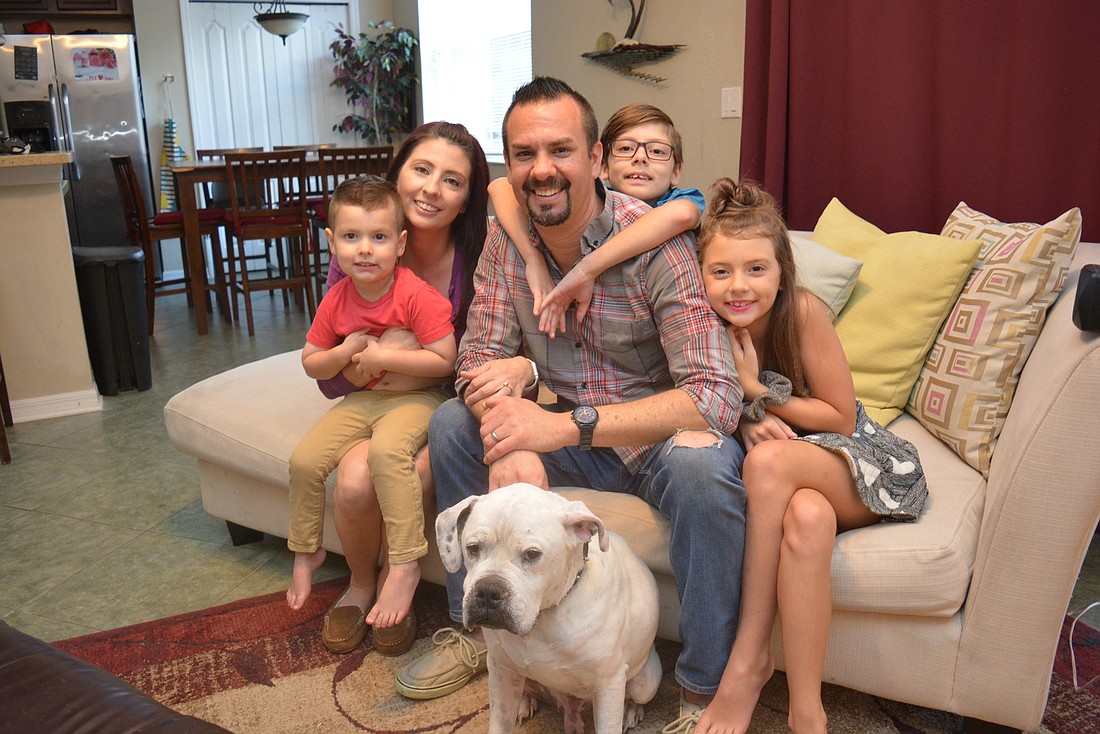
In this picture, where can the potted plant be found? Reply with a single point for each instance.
(379, 79)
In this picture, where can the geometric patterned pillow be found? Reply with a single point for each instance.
(965, 389)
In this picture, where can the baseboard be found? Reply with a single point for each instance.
(56, 406)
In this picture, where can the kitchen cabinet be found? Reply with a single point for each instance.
(60, 8)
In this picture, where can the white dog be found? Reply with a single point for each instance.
(582, 625)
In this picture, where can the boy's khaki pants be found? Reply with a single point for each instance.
(396, 424)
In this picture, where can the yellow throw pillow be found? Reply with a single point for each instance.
(907, 287)
(966, 387)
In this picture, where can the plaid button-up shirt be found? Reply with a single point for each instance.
(649, 328)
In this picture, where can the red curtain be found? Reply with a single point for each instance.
(901, 109)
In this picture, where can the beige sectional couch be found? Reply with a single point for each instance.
(959, 611)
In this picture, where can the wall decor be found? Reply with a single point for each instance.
(623, 56)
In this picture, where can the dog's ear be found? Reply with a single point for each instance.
(448, 533)
(580, 521)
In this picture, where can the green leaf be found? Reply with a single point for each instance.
(377, 74)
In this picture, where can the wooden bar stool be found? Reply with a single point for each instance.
(262, 188)
(337, 164)
(5, 417)
(215, 195)
(148, 232)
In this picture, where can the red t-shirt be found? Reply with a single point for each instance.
(410, 303)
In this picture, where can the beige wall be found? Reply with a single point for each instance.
(160, 51)
(713, 32)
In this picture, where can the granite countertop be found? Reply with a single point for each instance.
(35, 159)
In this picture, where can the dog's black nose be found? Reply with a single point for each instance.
(492, 593)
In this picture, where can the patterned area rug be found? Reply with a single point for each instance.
(255, 666)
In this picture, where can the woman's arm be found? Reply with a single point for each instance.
(432, 360)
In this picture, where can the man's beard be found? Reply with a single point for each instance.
(548, 218)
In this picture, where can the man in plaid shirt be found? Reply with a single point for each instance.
(646, 388)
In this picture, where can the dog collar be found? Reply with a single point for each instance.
(581, 571)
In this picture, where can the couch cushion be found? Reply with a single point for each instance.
(828, 275)
(919, 568)
(964, 391)
(248, 418)
(908, 284)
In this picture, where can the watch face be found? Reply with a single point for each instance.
(585, 415)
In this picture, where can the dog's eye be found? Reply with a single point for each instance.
(473, 550)
(532, 554)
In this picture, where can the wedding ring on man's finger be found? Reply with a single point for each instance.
(495, 436)
(504, 384)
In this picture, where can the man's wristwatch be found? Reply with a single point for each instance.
(586, 417)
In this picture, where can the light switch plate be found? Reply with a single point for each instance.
(731, 102)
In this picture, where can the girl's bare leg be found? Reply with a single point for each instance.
(773, 472)
(359, 525)
(805, 604)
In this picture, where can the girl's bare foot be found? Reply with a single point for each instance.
(395, 598)
(731, 710)
(811, 721)
(301, 578)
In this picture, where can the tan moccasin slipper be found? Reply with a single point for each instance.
(344, 628)
(396, 640)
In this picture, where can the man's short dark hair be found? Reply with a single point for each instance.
(548, 89)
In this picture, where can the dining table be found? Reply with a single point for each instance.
(188, 176)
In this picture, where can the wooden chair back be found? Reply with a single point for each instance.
(133, 202)
(261, 193)
(336, 164)
(216, 195)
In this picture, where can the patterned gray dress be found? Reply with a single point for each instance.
(886, 467)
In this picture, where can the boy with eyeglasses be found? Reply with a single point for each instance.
(642, 157)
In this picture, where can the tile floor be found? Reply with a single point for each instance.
(101, 524)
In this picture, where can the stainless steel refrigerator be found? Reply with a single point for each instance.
(81, 94)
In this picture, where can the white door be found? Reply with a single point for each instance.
(248, 89)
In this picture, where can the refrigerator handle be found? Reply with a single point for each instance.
(56, 130)
(69, 129)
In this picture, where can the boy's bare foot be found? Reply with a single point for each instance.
(731, 709)
(301, 578)
(395, 598)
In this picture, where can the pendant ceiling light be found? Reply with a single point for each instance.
(277, 20)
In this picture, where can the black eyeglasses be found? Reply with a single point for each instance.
(655, 150)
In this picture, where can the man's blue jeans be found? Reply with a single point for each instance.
(698, 489)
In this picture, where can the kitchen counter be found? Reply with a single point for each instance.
(35, 159)
(46, 366)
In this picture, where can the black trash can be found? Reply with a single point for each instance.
(111, 283)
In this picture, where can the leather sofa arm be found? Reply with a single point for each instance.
(44, 689)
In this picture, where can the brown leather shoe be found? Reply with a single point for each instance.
(344, 628)
(396, 640)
